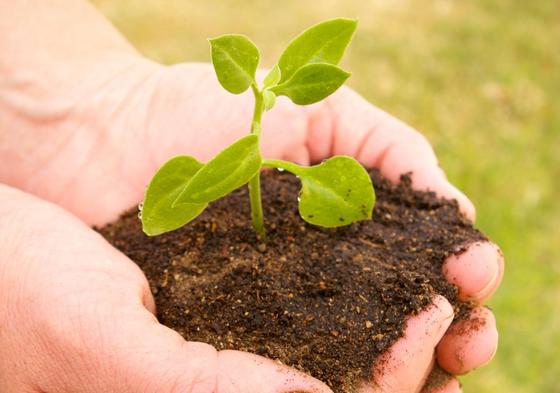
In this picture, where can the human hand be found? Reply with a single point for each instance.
(112, 143)
(76, 316)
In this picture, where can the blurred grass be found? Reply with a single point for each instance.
(482, 80)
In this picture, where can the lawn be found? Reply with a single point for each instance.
(482, 80)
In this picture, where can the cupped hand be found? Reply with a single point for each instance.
(83, 306)
(76, 316)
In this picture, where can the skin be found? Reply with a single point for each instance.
(84, 123)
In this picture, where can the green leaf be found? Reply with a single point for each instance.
(235, 60)
(269, 99)
(158, 214)
(229, 170)
(324, 42)
(273, 77)
(335, 193)
(312, 83)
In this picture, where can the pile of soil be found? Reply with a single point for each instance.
(325, 301)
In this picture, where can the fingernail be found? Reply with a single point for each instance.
(475, 269)
(493, 281)
(488, 288)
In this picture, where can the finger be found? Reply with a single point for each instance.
(477, 271)
(406, 365)
(156, 359)
(408, 157)
(379, 140)
(470, 343)
(439, 381)
(297, 154)
(244, 372)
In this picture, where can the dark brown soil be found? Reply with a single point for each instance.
(437, 379)
(326, 301)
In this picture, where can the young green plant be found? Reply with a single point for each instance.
(334, 193)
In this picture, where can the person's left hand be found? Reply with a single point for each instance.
(104, 146)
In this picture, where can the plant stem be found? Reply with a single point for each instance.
(255, 182)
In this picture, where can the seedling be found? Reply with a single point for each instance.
(334, 193)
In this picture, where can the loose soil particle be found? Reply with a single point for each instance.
(325, 301)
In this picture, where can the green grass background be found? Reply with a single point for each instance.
(481, 79)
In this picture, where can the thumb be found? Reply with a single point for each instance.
(148, 357)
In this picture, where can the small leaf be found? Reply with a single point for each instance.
(324, 42)
(269, 99)
(235, 60)
(335, 193)
(158, 215)
(229, 170)
(312, 83)
(273, 77)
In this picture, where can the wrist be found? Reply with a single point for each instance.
(66, 74)
(51, 140)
